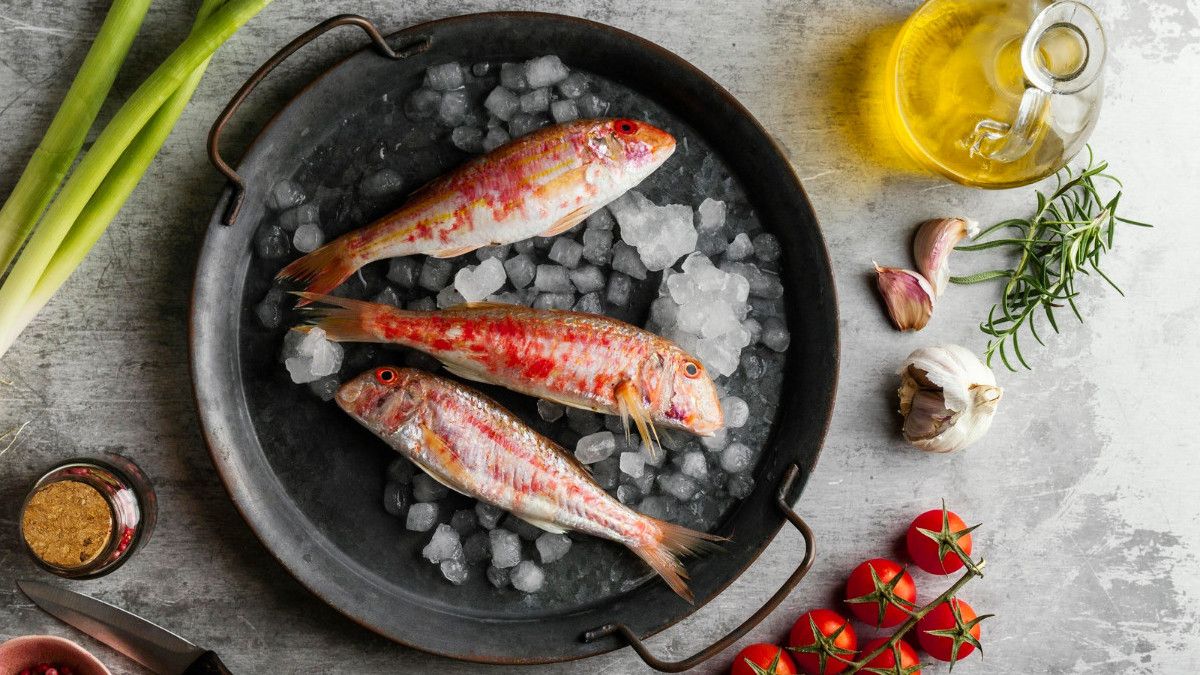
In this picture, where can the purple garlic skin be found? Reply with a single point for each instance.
(933, 243)
(907, 295)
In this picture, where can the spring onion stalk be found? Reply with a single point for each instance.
(107, 150)
(112, 194)
(65, 136)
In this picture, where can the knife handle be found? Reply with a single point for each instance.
(208, 664)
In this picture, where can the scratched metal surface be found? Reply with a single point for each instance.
(1086, 484)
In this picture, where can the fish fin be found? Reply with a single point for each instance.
(346, 320)
(545, 525)
(568, 221)
(673, 542)
(322, 270)
(629, 402)
(465, 372)
(453, 252)
(441, 448)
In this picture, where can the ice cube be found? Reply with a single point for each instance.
(753, 366)
(477, 547)
(324, 388)
(521, 270)
(587, 278)
(595, 447)
(524, 123)
(449, 297)
(400, 470)
(478, 282)
(663, 311)
(395, 499)
(740, 486)
(601, 220)
(740, 248)
(737, 412)
(497, 577)
(467, 139)
(421, 517)
(488, 515)
(545, 71)
(753, 329)
(633, 463)
(524, 529)
(454, 571)
(270, 311)
(597, 245)
(551, 547)
(554, 301)
(566, 252)
(308, 238)
(625, 259)
(464, 521)
(535, 101)
(619, 289)
(495, 138)
(512, 76)
(271, 242)
(549, 410)
(591, 105)
(552, 279)
(286, 194)
(573, 86)
(481, 69)
(564, 111)
(766, 247)
(422, 104)
(444, 77)
(444, 545)
(426, 489)
(425, 304)
(380, 183)
(583, 422)
(736, 458)
(403, 271)
(658, 506)
(528, 577)
(435, 273)
(694, 465)
(661, 234)
(628, 494)
(506, 548)
(589, 304)
(502, 103)
(775, 334)
(654, 457)
(452, 109)
(300, 215)
(712, 215)
(678, 486)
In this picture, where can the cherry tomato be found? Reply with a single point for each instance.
(820, 640)
(762, 659)
(950, 631)
(886, 662)
(880, 592)
(932, 537)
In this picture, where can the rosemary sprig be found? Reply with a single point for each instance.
(1066, 236)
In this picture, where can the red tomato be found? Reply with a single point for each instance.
(880, 592)
(950, 631)
(762, 659)
(820, 652)
(934, 552)
(886, 662)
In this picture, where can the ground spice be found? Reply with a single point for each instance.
(67, 524)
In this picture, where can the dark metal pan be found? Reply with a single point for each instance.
(306, 478)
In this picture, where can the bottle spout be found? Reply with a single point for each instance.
(1062, 54)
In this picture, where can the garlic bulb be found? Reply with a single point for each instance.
(934, 241)
(947, 397)
(907, 295)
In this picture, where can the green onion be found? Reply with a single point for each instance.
(105, 153)
(67, 131)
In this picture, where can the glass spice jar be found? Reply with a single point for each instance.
(85, 517)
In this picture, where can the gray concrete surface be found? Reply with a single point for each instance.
(1086, 483)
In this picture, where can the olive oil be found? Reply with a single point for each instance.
(958, 63)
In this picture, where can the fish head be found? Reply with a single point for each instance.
(636, 144)
(382, 399)
(692, 402)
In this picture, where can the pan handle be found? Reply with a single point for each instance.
(214, 135)
(781, 500)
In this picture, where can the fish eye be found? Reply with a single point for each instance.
(625, 127)
(691, 369)
(386, 375)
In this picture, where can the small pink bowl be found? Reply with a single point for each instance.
(26, 652)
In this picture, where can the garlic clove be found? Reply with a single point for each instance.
(934, 241)
(947, 398)
(907, 295)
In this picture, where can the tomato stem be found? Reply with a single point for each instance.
(971, 572)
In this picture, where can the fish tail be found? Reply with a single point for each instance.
(345, 320)
(322, 270)
(673, 542)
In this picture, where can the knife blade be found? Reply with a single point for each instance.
(151, 645)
